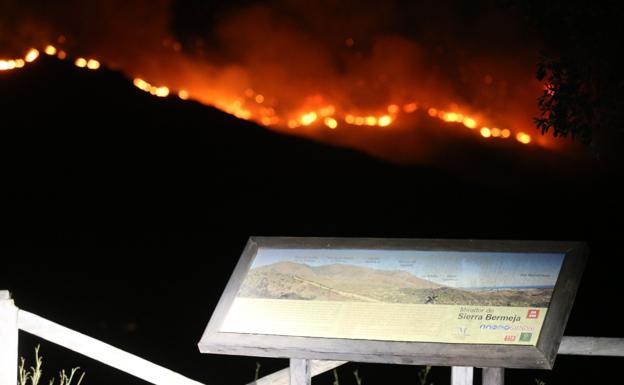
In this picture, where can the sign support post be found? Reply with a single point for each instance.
(300, 372)
(462, 375)
(493, 376)
(8, 339)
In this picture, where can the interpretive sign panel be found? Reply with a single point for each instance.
(470, 303)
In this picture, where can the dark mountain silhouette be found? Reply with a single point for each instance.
(88, 147)
(86, 150)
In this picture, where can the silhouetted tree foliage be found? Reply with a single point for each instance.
(581, 65)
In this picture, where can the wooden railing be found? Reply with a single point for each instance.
(13, 319)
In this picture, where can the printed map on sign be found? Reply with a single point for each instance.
(396, 295)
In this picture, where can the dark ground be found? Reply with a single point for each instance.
(124, 215)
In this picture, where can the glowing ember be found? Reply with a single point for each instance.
(32, 55)
(485, 132)
(93, 64)
(183, 94)
(308, 118)
(50, 50)
(496, 132)
(451, 117)
(470, 123)
(432, 112)
(159, 91)
(141, 84)
(11, 64)
(384, 121)
(505, 133)
(156, 91)
(259, 99)
(370, 121)
(81, 62)
(330, 122)
(62, 55)
(6, 65)
(393, 109)
(242, 114)
(268, 121)
(523, 138)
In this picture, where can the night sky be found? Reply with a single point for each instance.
(124, 213)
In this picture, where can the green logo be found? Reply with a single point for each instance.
(525, 337)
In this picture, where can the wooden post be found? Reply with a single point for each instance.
(8, 339)
(493, 376)
(300, 372)
(461, 375)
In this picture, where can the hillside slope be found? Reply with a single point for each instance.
(84, 150)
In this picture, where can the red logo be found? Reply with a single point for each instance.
(533, 313)
(510, 338)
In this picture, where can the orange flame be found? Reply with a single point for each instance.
(12, 64)
(32, 55)
(183, 94)
(523, 138)
(81, 62)
(331, 123)
(262, 108)
(50, 50)
(308, 118)
(93, 64)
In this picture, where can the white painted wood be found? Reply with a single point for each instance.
(493, 376)
(320, 366)
(592, 346)
(98, 350)
(282, 377)
(8, 340)
(462, 375)
(300, 372)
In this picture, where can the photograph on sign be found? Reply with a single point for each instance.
(467, 297)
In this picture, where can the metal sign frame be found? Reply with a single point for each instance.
(542, 355)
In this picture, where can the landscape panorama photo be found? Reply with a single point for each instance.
(404, 277)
